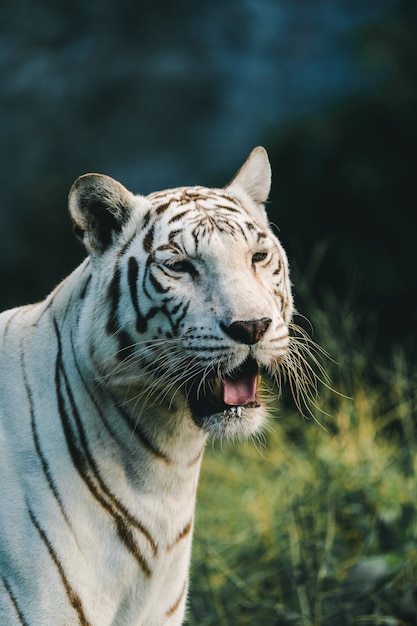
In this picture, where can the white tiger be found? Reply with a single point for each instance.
(110, 387)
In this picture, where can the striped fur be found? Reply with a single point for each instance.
(110, 387)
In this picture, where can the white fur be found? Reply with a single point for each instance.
(90, 440)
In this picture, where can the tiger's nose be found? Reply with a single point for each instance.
(247, 331)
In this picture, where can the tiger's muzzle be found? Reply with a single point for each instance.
(227, 394)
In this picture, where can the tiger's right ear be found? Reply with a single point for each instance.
(99, 207)
(254, 180)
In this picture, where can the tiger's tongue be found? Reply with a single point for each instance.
(239, 391)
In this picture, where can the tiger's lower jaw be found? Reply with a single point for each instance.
(235, 422)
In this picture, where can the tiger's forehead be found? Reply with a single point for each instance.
(192, 218)
(203, 209)
(192, 198)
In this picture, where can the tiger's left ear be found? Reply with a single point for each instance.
(99, 207)
(254, 178)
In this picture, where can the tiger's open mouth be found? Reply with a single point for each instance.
(229, 394)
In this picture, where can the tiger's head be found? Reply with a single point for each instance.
(192, 298)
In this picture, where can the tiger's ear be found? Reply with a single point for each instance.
(99, 207)
(254, 177)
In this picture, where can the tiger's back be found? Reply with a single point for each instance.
(110, 387)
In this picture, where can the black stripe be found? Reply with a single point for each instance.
(278, 269)
(242, 230)
(68, 307)
(230, 198)
(176, 218)
(228, 208)
(85, 288)
(217, 349)
(44, 463)
(132, 277)
(14, 602)
(177, 604)
(204, 227)
(172, 236)
(157, 285)
(169, 315)
(146, 218)
(182, 316)
(126, 343)
(165, 246)
(50, 300)
(181, 535)
(193, 333)
(148, 240)
(126, 245)
(47, 306)
(198, 457)
(72, 595)
(262, 235)
(9, 321)
(86, 466)
(113, 296)
(163, 207)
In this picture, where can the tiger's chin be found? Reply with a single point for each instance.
(229, 407)
(236, 422)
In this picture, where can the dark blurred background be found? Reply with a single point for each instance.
(164, 93)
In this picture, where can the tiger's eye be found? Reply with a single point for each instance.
(259, 256)
(183, 267)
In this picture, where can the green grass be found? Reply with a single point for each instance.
(319, 526)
